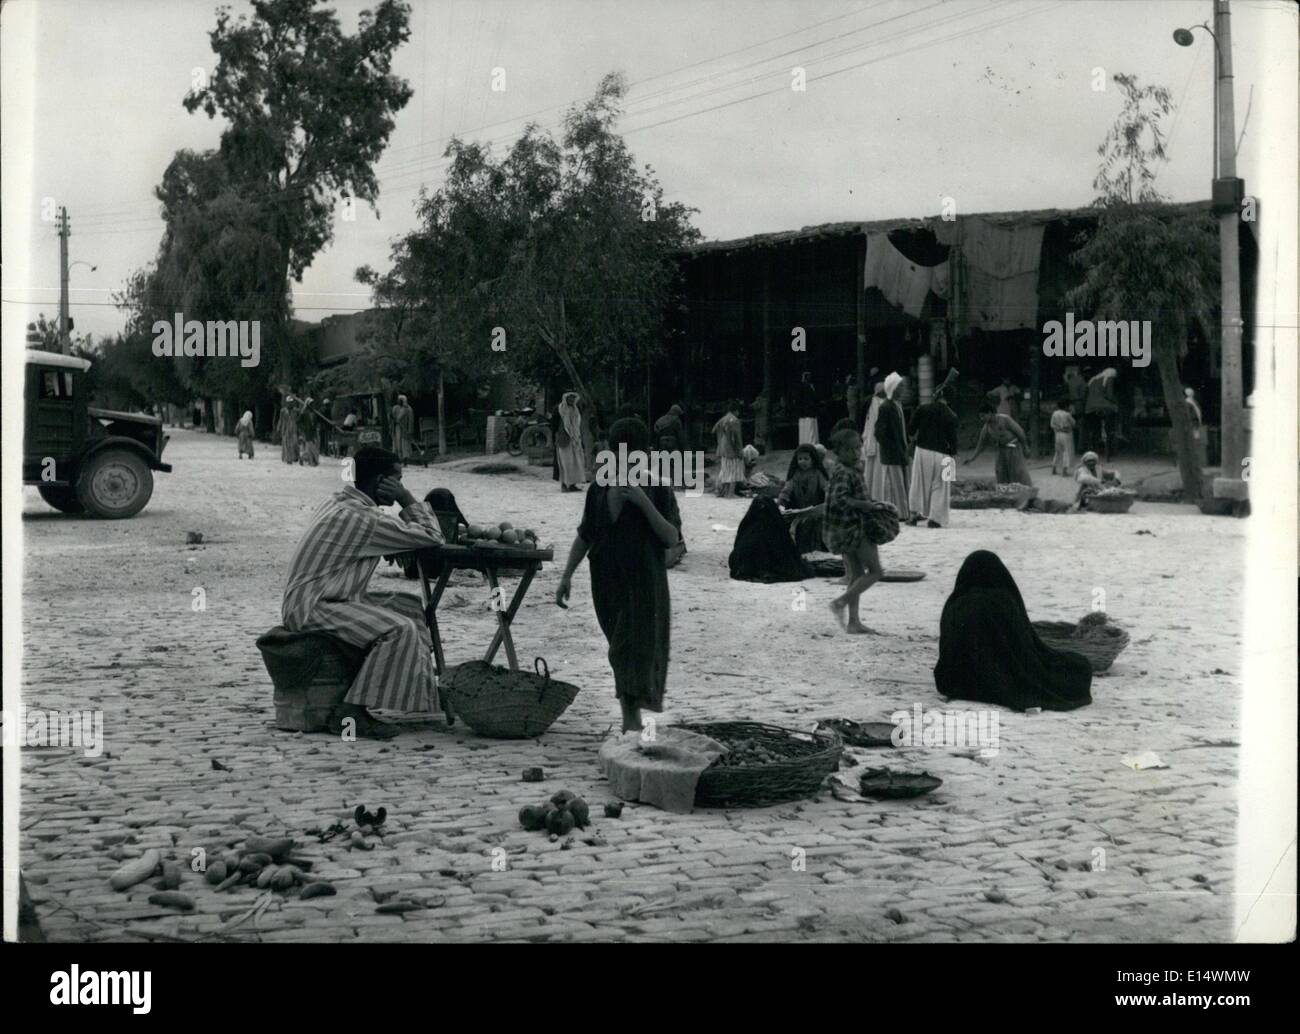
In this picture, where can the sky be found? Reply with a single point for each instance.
(989, 102)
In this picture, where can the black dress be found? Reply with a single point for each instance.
(989, 652)
(629, 589)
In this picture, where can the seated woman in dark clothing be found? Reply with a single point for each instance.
(805, 486)
(989, 652)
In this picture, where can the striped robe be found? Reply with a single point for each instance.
(326, 592)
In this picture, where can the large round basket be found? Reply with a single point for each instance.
(1110, 503)
(979, 496)
(504, 704)
(809, 760)
(1101, 644)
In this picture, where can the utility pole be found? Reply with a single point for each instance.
(64, 336)
(1228, 194)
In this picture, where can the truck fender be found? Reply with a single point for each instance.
(98, 445)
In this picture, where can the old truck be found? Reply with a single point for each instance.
(82, 459)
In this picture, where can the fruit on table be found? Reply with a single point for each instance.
(580, 811)
(505, 526)
(509, 536)
(474, 531)
(562, 798)
(493, 534)
(136, 870)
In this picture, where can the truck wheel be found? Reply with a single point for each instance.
(62, 499)
(115, 484)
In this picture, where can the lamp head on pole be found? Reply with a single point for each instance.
(1183, 37)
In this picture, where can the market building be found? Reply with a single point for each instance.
(919, 296)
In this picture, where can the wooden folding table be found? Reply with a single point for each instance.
(437, 563)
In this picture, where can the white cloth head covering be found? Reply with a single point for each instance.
(750, 453)
(1089, 457)
(570, 418)
(891, 384)
(247, 419)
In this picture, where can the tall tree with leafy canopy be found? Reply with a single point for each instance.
(308, 110)
(1147, 262)
(567, 246)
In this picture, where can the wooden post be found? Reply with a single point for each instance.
(766, 331)
(1035, 363)
(864, 389)
(442, 417)
(1232, 419)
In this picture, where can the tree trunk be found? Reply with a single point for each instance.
(442, 417)
(228, 416)
(1176, 404)
(209, 416)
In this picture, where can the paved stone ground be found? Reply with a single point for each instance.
(1052, 839)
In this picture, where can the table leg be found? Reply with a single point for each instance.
(431, 616)
(507, 616)
(430, 600)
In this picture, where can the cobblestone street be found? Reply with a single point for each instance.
(1051, 839)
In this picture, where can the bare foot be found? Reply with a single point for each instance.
(857, 628)
(840, 609)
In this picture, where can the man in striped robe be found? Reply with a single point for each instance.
(326, 591)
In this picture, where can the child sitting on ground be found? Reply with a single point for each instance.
(854, 525)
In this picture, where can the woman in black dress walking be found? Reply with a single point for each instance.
(624, 531)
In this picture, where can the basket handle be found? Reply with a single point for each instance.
(540, 666)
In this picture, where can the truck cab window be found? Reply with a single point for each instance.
(56, 384)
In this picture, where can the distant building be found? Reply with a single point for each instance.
(972, 292)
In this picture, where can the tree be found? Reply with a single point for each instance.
(566, 247)
(309, 110)
(125, 374)
(1146, 262)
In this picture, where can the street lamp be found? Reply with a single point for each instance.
(1227, 193)
(1184, 38)
(81, 262)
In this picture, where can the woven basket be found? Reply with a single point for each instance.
(993, 499)
(504, 704)
(810, 761)
(1109, 503)
(1101, 644)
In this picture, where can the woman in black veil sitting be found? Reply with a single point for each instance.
(989, 652)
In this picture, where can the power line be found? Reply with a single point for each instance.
(412, 165)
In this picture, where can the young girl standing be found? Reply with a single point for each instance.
(853, 527)
(625, 530)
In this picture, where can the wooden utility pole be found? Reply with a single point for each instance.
(65, 338)
(859, 292)
(1232, 421)
(766, 330)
